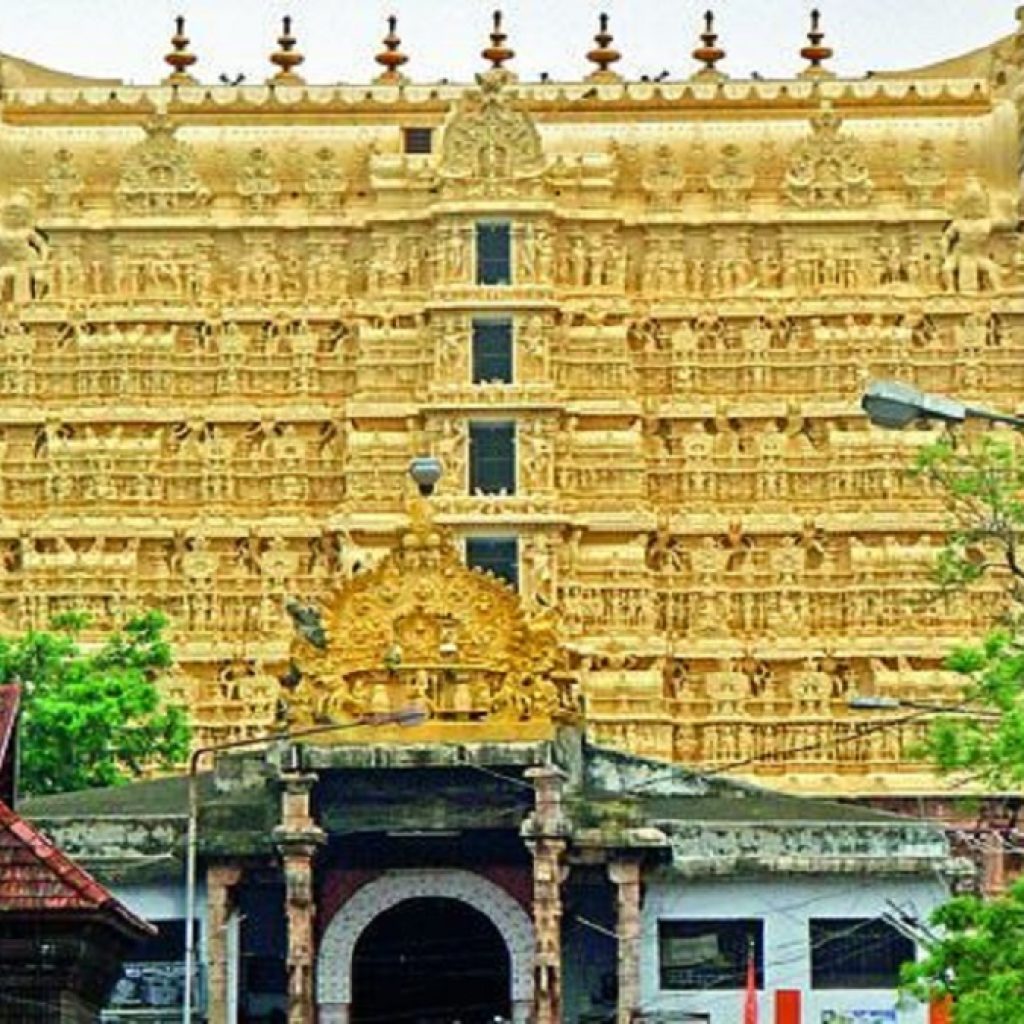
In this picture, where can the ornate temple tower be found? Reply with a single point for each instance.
(633, 319)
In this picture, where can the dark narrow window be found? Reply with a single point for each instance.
(493, 254)
(851, 952)
(699, 954)
(492, 458)
(492, 351)
(418, 140)
(498, 555)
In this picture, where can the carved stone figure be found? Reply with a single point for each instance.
(828, 169)
(257, 181)
(325, 182)
(63, 185)
(488, 142)
(730, 181)
(925, 178)
(967, 265)
(24, 252)
(158, 175)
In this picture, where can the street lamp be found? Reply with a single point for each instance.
(404, 716)
(868, 702)
(893, 405)
(425, 471)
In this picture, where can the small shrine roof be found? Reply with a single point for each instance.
(36, 878)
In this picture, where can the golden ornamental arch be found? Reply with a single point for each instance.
(421, 629)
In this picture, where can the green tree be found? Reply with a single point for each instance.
(976, 957)
(981, 483)
(92, 717)
(978, 961)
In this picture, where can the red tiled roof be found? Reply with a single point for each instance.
(36, 878)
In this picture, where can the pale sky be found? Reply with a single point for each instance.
(128, 38)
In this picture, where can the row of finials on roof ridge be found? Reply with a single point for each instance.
(287, 58)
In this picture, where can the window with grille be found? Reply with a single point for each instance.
(497, 555)
(697, 954)
(493, 253)
(850, 952)
(492, 458)
(418, 140)
(492, 351)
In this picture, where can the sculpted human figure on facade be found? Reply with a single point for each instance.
(730, 180)
(24, 252)
(828, 170)
(257, 181)
(63, 185)
(663, 179)
(925, 178)
(325, 182)
(967, 265)
(538, 455)
(811, 690)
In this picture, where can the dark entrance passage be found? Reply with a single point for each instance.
(430, 961)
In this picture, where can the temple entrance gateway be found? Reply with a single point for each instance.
(343, 958)
(430, 961)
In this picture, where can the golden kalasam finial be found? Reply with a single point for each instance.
(603, 55)
(287, 58)
(391, 57)
(708, 53)
(179, 58)
(816, 53)
(497, 53)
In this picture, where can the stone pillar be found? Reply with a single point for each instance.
(625, 873)
(993, 864)
(546, 833)
(297, 839)
(220, 878)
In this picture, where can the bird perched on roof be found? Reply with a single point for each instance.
(308, 624)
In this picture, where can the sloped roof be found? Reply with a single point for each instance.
(37, 879)
(18, 73)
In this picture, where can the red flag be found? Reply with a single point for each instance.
(750, 1003)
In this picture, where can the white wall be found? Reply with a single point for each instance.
(786, 904)
(159, 902)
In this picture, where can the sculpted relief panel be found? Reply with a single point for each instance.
(218, 356)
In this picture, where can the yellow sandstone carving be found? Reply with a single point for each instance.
(231, 314)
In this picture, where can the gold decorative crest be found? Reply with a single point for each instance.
(421, 630)
(488, 140)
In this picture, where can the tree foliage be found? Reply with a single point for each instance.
(979, 960)
(981, 483)
(92, 717)
(977, 956)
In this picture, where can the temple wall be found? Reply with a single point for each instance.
(231, 319)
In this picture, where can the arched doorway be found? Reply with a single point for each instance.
(430, 961)
(337, 945)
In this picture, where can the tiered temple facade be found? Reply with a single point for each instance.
(633, 319)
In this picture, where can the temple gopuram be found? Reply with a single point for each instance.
(548, 726)
(632, 319)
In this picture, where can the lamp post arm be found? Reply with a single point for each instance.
(1017, 422)
(406, 716)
